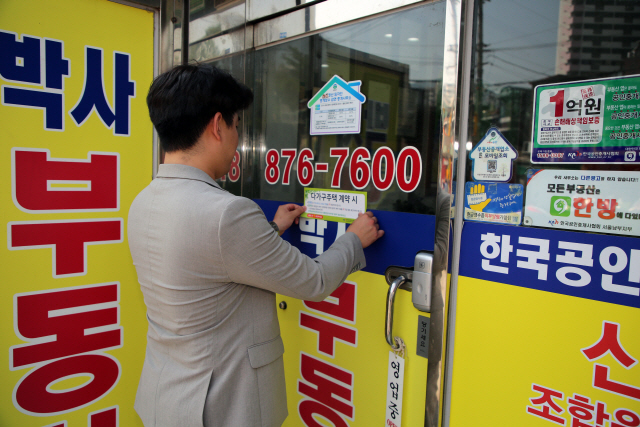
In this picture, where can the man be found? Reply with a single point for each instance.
(208, 263)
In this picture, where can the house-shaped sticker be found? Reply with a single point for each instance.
(336, 108)
(493, 158)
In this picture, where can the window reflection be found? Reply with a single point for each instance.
(398, 58)
(520, 44)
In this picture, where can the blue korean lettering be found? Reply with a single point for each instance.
(21, 61)
(57, 66)
(52, 104)
(93, 95)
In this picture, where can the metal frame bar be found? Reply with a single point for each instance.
(185, 32)
(157, 33)
(284, 12)
(439, 303)
(466, 59)
(344, 24)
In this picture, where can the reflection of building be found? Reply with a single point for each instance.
(515, 116)
(594, 39)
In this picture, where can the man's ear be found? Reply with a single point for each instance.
(214, 126)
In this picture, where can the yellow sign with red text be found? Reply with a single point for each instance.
(529, 358)
(76, 149)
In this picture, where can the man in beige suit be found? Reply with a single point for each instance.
(209, 264)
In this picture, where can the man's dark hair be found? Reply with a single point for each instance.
(183, 101)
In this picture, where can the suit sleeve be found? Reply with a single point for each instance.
(255, 255)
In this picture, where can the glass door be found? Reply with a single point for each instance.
(336, 355)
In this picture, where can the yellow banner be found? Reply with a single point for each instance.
(76, 149)
(336, 356)
(524, 357)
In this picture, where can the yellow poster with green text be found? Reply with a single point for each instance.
(76, 148)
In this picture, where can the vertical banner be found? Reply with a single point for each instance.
(76, 148)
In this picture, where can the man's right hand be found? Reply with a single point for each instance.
(366, 228)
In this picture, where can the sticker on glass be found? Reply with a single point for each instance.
(493, 202)
(592, 121)
(492, 158)
(336, 108)
(597, 201)
(334, 205)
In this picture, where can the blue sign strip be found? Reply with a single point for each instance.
(406, 234)
(592, 266)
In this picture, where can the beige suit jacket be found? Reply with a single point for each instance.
(209, 264)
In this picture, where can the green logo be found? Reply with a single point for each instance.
(560, 206)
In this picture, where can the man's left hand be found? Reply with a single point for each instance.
(287, 215)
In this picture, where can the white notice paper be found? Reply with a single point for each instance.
(395, 381)
(336, 108)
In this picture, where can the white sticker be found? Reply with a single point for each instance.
(336, 108)
(395, 382)
(596, 201)
(493, 158)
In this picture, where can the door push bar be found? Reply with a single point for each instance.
(388, 321)
(417, 281)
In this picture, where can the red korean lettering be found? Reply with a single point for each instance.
(44, 184)
(607, 208)
(322, 389)
(65, 315)
(601, 380)
(601, 414)
(67, 238)
(33, 396)
(104, 418)
(328, 332)
(546, 399)
(581, 411)
(580, 203)
(626, 418)
(345, 308)
(308, 408)
(610, 341)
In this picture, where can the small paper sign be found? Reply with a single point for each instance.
(334, 205)
(336, 108)
(492, 158)
(493, 202)
(395, 381)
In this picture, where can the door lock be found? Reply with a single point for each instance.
(417, 280)
(421, 282)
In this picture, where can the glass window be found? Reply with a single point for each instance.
(522, 44)
(398, 60)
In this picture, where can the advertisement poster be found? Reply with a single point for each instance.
(548, 320)
(492, 158)
(592, 121)
(76, 149)
(493, 202)
(336, 108)
(334, 205)
(596, 201)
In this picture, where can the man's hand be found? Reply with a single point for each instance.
(287, 214)
(366, 228)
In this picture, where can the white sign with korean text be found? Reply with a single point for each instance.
(334, 205)
(336, 108)
(597, 201)
(571, 115)
(395, 381)
(492, 158)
